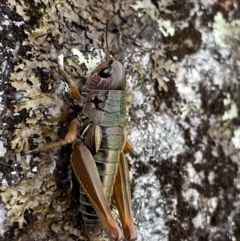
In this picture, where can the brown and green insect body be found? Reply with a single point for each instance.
(105, 107)
(98, 137)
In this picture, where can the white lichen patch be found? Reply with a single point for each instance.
(34, 169)
(236, 138)
(232, 112)
(166, 27)
(4, 222)
(61, 61)
(225, 32)
(208, 205)
(208, 3)
(159, 137)
(199, 220)
(144, 209)
(193, 176)
(212, 204)
(198, 156)
(145, 60)
(90, 62)
(211, 177)
(1, 105)
(3, 150)
(146, 7)
(192, 196)
(191, 72)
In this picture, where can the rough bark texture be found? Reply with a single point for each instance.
(183, 71)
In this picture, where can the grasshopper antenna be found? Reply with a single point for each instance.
(124, 49)
(107, 55)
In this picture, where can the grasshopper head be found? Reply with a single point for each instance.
(109, 75)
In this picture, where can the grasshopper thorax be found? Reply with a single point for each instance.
(109, 75)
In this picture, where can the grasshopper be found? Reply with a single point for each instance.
(98, 138)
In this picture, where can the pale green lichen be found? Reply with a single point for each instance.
(225, 32)
(166, 27)
(27, 195)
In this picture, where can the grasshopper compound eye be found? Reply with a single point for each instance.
(106, 72)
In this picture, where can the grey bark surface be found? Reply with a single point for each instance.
(183, 73)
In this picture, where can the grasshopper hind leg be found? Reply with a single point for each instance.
(122, 195)
(69, 138)
(87, 175)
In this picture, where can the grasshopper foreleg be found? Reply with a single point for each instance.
(72, 85)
